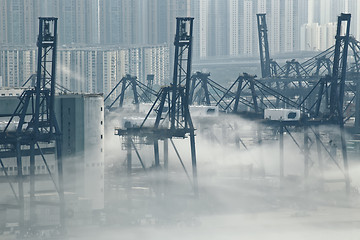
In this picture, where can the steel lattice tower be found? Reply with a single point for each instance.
(37, 126)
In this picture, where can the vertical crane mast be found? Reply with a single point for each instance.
(339, 68)
(171, 106)
(44, 124)
(263, 45)
(37, 126)
(180, 118)
(46, 69)
(182, 68)
(337, 87)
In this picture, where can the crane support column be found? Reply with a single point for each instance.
(263, 45)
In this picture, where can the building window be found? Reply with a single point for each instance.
(101, 136)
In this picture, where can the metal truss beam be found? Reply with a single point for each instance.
(141, 92)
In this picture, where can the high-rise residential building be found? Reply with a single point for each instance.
(98, 69)
(219, 46)
(243, 35)
(318, 32)
(156, 59)
(64, 73)
(93, 21)
(354, 8)
(325, 13)
(78, 21)
(283, 19)
(212, 25)
(230, 28)
(248, 28)
(357, 19)
(140, 22)
(316, 37)
(141, 61)
(261, 6)
(221, 28)
(274, 25)
(302, 7)
(120, 22)
(234, 28)
(289, 29)
(88, 69)
(18, 22)
(3, 22)
(201, 21)
(17, 64)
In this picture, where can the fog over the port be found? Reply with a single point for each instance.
(234, 201)
(241, 193)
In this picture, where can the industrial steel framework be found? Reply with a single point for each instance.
(299, 80)
(334, 109)
(171, 109)
(205, 91)
(243, 81)
(338, 78)
(149, 92)
(202, 96)
(150, 80)
(246, 90)
(309, 83)
(36, 125)
(300, 86)
(145, 95)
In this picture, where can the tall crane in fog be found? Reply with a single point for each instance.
(36, 126)
(171, 108)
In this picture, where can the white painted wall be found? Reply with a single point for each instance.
(94, 150)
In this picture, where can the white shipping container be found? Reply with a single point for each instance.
(204, 111)
(282, 114)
